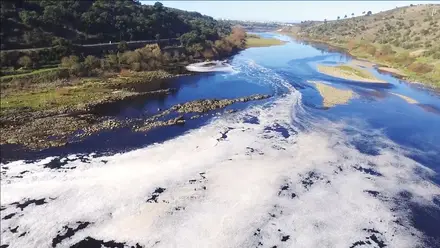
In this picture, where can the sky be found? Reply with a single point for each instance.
(284, 11)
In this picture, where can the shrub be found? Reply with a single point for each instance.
(122, 46)
(91, 62)
(371, 50)
(69, 62)
(110, 62)
(386, 50)
(421, 68)
(25, 61)
(428, 44)
(404, 59)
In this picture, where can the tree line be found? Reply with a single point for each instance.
(31, 24)
(60, 24)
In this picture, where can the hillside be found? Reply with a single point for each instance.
(403, 38)
(29, 24)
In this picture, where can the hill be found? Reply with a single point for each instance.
(30, 24)
(403, 38)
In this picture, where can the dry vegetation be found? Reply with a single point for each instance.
(349, 73)
(332, 96)
(258, 41)
(405, 38)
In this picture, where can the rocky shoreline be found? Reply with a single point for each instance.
(39, 130)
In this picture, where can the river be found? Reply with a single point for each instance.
(280, 172)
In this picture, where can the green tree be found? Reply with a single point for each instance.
(122, 46)
(386, 50)
(91, 62)
(25, 61)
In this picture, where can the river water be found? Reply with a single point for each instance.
(282, 172)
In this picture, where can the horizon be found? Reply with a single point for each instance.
(284, 11)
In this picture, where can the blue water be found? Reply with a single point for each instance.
(375, 112)
(407, 124)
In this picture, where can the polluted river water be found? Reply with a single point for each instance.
(285, 171)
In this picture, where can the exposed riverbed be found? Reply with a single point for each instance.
(280, 167)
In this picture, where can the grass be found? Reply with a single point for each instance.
(349, 73)
(255, 41)
(355, 71)
(74, 93)
(403, 29)
(53, 98)
(34, 72)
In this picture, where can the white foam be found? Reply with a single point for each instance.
(220, 66)
(238, 194)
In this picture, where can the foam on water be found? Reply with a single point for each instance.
(230, 183)
(201, 67)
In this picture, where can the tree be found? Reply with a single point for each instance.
(386, 50)
(345, 16)
(339, 17)
(363, 12)
(352, 14)
(25, 61)
(369, 13)
(122, 46)
(91, 62)
(69, 62)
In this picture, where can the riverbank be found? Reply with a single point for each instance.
(386, 64)
(53, 114)
(47, 114)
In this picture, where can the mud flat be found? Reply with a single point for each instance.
(332, 96)
(348, 72)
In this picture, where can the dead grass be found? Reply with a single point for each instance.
(332, 96)
(349, 73)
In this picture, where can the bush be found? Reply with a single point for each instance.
(428, 44)
(25, 61)
(110, 62)
(91, 62)
(371, 50)
(404, 59)
(421, 68)
(386, 50)
(122, 46)
(69, 62)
